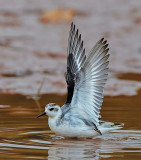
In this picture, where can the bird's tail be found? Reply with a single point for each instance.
(109, 126)
(118, 124)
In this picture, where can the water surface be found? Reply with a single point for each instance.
(22, 136)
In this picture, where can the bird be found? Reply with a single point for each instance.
(86, 77)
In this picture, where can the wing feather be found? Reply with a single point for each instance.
(75, 60)
(89, 83)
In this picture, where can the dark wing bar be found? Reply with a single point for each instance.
(75, 60)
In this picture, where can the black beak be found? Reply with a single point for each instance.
(42, 114)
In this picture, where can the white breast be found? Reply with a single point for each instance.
(67, 130)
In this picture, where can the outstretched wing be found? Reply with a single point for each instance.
(89, 84)
(75, 60)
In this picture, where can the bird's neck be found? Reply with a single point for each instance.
(54, 121)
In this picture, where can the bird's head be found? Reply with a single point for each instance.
(52, 110)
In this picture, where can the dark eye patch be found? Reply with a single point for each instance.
(51, 109)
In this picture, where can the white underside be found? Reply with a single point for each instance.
(79, 131)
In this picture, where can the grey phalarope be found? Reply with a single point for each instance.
(85, 78)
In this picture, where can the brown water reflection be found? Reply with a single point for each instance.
(130, 76)
(22, 136)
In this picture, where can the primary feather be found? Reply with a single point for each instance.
(75, 60)
(88, 76)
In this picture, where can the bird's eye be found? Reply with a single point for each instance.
(51, 109)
